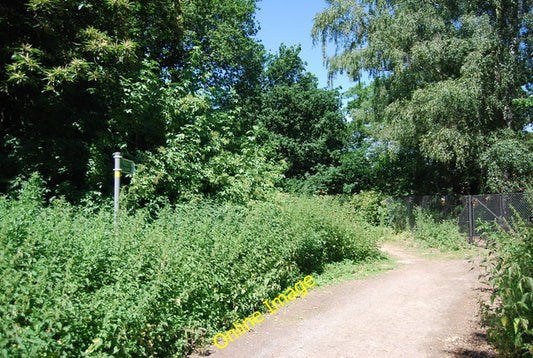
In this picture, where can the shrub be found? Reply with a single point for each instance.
(74, 285)
(398, 215)
(442, 234)
(370, 206)
(509, 270)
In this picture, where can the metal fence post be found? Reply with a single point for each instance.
(503, 214)
(116, 187)
(471, 229)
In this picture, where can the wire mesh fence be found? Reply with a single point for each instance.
(499, 208)
(470, 211)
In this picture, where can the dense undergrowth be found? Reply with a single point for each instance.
(428, 228)
(509, 271)
(442, 234)
(73, 285)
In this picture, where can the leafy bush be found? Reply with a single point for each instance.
(74, 285)
(441, 234)
(398, 215)
(206, 159)
(370, 206)
(509, 270)
(350, 173)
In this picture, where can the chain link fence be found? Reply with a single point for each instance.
(470, 211)
(499, 208)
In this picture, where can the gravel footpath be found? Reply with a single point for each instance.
(424, 308)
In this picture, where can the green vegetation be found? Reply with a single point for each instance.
(425, 227)
(221, 131)
(73, 285)
(439, 234)
(509, 271)
(305, 123)
(452, 88)
(185, 90)
(81, 80)
(340, 272)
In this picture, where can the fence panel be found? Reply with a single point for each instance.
(470, 211)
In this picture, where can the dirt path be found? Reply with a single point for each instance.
(424, 308)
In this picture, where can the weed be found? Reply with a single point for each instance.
(443, 234)
(509, 270)
(73, 285)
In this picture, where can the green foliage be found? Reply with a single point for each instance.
(287, 68)
(440, 234)
(525, 104)
(398, 216)
(508, 162)
(73, 285)
(509, 270)
(306, 124)
(370, 206)
(205, 156)
(81, 80)
(351, 173)
(31, 191)
(448, 78)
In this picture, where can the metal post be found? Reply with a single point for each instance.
(502, 217)
(116, 189)
(471, 221)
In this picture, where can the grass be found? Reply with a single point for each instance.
(438, 249)
(466, 251)
(340, 272)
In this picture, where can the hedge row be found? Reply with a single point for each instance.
(74, 285)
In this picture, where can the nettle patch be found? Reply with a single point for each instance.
(74, 285)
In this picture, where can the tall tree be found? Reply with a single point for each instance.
(305, 123)
(81, 79)
(447, 75)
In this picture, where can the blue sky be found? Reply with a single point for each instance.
(290, 22)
